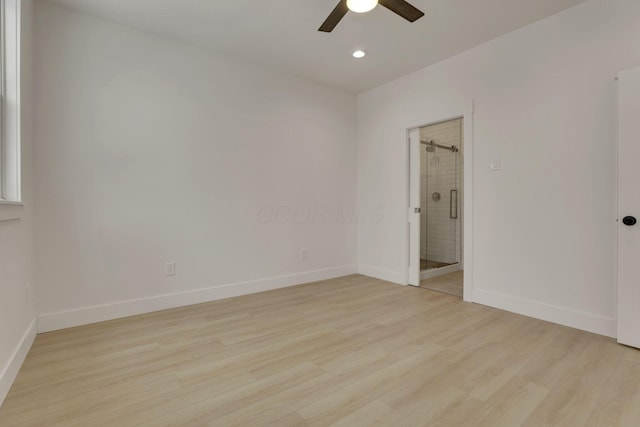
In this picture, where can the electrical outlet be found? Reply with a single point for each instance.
(304, 254)
(170, 269)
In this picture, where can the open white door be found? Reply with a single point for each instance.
(629, 208)
(414, 207)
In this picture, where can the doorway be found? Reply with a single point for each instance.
(436, 206)
(440, 217)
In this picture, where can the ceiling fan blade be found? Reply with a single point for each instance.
(402, 8)
(334, 17)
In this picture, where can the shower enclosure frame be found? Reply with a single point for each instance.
(412, 276)
(431, 147)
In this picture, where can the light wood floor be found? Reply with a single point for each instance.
(349, 352)
(451, 283)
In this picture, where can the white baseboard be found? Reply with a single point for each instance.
(11, 368)
(382, 274)
(437, 272)
(551, 313)
(83, 316)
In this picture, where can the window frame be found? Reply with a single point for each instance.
(10, 106)
(3, 167)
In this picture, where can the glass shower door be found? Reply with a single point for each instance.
(442, 209)
(440, 230)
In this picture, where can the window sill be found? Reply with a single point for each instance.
(10, 211)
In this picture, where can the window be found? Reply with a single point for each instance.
(9, 101)
(2, 62)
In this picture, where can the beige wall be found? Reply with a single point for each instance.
(151, 151)
(544, 102)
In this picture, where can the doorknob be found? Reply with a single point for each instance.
(629, 220)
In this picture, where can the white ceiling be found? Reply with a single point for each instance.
(283, 34)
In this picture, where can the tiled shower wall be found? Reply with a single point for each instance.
(440, 172)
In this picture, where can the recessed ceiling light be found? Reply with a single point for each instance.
(358, 54)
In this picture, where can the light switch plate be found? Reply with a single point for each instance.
(170, 269)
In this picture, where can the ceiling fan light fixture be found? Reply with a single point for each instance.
(361, 6)
(400, 7)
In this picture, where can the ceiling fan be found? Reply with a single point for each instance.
(400, 7)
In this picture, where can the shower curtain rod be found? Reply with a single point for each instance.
(451, 148)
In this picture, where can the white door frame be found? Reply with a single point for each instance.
(467, 189)
(414, 216)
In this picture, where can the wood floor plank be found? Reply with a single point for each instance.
(346, 371)
(352, 351)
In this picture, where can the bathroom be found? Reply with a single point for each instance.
(441, 179)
